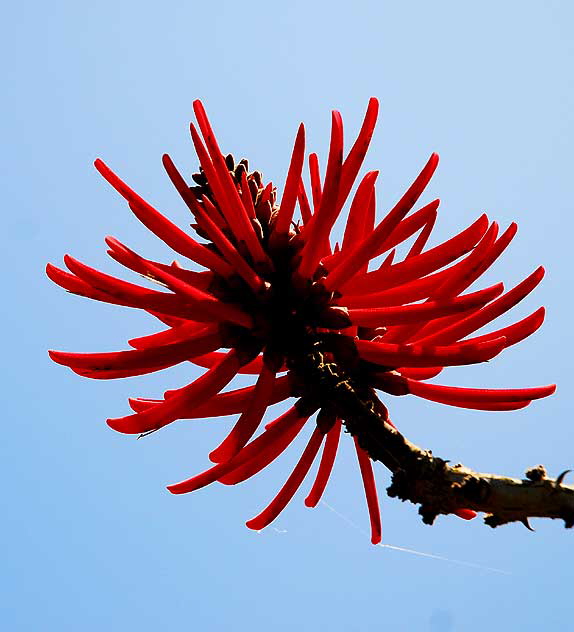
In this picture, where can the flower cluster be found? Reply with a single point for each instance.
(275, 295)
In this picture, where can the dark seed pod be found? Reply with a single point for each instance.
(334, 317)
(230, 162)
(239, 171)
(199, 178)
(253, 189)
(263, 212)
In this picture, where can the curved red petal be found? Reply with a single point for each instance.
(428, 356)
(178, 333)
(128, 294)
(203, 301)
(517, 331)
(317, 231)
(461, 328)
(292, 484)
(173, 408)
(227, 249)
(445, 394)
(358, 217)
(236, 212)
(422, 264)
(131, 260)
(465, 514)
(382, 316)
(250, 419)
(315, 177)
(420, 373)
(368, 477)
(222, 404)
(279, 443)
(365, 251)
(159, 225)
(287, 206)
(354, 160)
(269, 443)
(325, 465)
(146, 360)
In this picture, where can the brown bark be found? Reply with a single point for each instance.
(422, 478)
(441, 488)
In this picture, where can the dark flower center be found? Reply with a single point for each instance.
(293, 319)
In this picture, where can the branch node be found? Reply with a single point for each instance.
(474, 489)
(493, 521)
(428, 514)
(568, 518)
(536, 473)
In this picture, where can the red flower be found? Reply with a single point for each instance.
(274, 292)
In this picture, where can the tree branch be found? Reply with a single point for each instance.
(424, 479)
(442, 488)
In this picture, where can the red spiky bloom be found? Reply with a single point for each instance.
(307, 319)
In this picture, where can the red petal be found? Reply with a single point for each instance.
(269, 444)
(390, 355)
(131, 260)
(370, 492)
(170, 321)
(292, 484)
(287, 206)
(268, 454)
(203, 301)
(240, 218)
(408, 292)
(209, 359)
(129, 294)
(358, 215)
(228, 403)
(489, 406)
(318, 230)
(516, 332)
(179, 333)
(420, 374)
(378, 317)
(481, 317)
(246, 196)
(303, 203)
(422, 239)
(446, 394)
(315, 177)
(189, 396)
(424, 218)
(400, 295)
(159, 225)
(250, 419)
(459, 279)
(75, 285)
(226, 248)
(147, 360)
(326, 465)
(465, 514)
(365, 251)
(489, 256)
(423, 264)
(354, 160)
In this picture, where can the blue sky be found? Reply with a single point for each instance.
(92, 540)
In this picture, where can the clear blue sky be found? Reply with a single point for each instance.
(91, 538)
